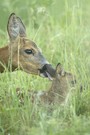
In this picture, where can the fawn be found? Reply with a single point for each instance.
(22, 53)
(58, 91)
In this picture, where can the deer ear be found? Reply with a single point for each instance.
(22, 29)
(60, 70)
(15, 27)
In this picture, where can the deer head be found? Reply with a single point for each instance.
(24, 53)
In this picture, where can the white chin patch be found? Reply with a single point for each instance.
(50, 78)
(42, 75)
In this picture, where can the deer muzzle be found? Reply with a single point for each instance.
(47, 71)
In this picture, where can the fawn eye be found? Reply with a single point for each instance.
(74, 82)
(29, 51)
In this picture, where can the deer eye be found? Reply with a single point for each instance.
(29, 51)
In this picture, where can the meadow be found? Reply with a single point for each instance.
(61, 28)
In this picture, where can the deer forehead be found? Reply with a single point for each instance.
(28, 44)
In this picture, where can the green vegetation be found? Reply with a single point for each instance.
(61, 28)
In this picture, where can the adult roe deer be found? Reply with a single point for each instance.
(58, 92)
(22, 53)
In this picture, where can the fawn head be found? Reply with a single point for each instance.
(24, 53)
(64, 78)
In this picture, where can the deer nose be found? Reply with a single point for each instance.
(47, 70)
(50, 70)
(46, 63)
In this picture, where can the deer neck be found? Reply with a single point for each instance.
(5, 59)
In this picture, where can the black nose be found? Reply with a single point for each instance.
(48, 68)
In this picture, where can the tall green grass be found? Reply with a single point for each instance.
(61, 29)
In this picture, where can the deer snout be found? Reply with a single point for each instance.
(47, 71)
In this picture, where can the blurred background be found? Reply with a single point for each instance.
(35, 12)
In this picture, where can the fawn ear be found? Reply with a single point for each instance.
(60, 70)
(15, 27)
